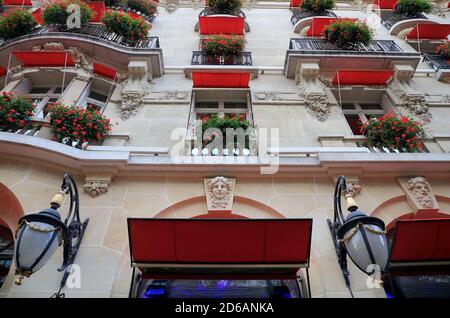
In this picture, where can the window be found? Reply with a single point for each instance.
(41, 96)
(206, 109)
(96, 94)
(358, 113)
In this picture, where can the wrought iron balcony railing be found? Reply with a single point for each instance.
(436, 62)
(209, 11)
(321, 46)
(94, 31)
(201, 58)
(392, 18)
(297, 15)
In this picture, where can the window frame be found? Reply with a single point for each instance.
(363, 114)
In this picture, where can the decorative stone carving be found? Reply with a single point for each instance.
(404, 95)
(168, 95)
(439, 9)
(312, 90)
(418, 193)
(129, 104)
(53, 46)
(219, 193)
(354, 186)
(272, 96)
(97, 183)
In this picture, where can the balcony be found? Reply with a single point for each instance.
(440, 65)
(298, 15)
(389, 20)
(380, 54)
(201, 58)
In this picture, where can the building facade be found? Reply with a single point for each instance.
(306, 135)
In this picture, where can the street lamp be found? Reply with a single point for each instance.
(360, 236)
(40, 234)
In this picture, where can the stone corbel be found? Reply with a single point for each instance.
(352, 179)
(312, 90)
(134, 88)
(97, 183)
(404, 95)
(419, 196)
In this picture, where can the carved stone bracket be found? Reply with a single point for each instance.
(419, 194)
(219, 192)
(440, 9)
(96, 184)
(312, 90)
(404, 95)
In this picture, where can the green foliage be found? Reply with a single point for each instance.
(226, 45)
(146, 6)
(225, 6)
(15, 112)
(78, 124)
(317, 6)
(55, 12)
(444, 50)
(16, 23)
(393, 133)
(412, 7)
(121, 23)
(347, 33)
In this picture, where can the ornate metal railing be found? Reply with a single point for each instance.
(201, 58)
(95, 31)
(392, 18)
(297, 15)
(148, 18)
(321, 46)
(436, 62)
(209, 11)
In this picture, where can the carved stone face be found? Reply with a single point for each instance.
(421, 189)
(219, 190)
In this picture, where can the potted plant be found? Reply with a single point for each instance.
(222, 47)
(444, 50)
(412, 8)
(121, 23)
(15, 23)
(15, 112)
(75, 124)
(393, 133)
(317, 7)
(225, 6)
(55, 12)
(348, 33)
(147, 7)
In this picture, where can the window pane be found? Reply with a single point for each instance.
(370, 106)
(57, 90)
(348, 106)
(39, 90)
(207, 105)
(235, 105)
(98, 96)
(355, 123)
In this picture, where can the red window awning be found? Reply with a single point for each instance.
(362, 77)
(429, 31)
(194, 246)
(221, 25)
(43, 58)
(295, 3)
(385, 4)
(217, 80)
(98, 10)
(17, 2)
(2, 71)
(426, 240)
(318, 24)
(37, 15)
(104, 71)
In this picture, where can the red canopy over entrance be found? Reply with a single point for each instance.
(41, 58)
(221, 25)
(104, 71)
(385, 4)
(217, 80)
(220, 246)
(362, 77)
(429, 31)
(426, 240)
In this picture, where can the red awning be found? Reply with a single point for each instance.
(362, 77)
(17, 2)
(217, 80)
(385, 4)
(98, 10)
(429, 31)
(426, 240)
(43, 58)
(2, 71)
(196, 246)
(37, 15)
(318, 24)
(221, 25)
(295, 3)
(104, 71)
